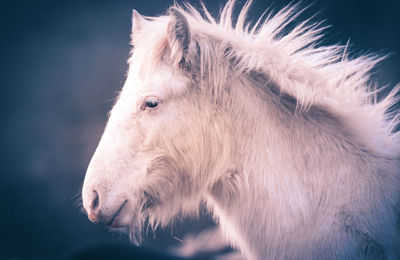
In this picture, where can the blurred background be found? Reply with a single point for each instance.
(63, 64)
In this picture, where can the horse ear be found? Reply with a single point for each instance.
(137, 21)
(178, 36)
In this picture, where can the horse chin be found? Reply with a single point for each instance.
(149, 218)
(146, 212)
(122, 221)
(134, 230)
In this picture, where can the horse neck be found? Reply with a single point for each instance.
(271, 136)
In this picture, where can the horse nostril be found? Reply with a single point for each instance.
(95, 202)
(93, 210)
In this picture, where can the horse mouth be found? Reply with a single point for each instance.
(113, 223)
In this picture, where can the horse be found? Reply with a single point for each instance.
(283, 139)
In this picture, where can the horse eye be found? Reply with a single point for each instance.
(151, 103)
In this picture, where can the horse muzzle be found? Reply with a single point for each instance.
(99, 213)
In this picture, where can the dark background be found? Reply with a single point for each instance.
(62, 65)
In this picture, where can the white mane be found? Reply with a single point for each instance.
(294, 61)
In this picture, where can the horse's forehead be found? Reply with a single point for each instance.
(160, 81)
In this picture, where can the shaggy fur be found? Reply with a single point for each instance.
(283, 140)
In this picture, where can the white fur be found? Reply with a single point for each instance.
(283, 140)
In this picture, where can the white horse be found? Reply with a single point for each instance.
(283, 140)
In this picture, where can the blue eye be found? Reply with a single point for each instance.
(151, 103)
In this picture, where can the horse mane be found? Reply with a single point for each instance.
(293, 59)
